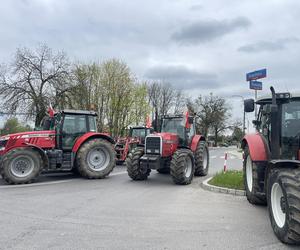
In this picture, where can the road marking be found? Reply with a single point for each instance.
(213, 157)
(35, 184)
(50, 182)
(119, 173)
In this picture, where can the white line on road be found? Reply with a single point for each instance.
(213, 157)
(50, 182)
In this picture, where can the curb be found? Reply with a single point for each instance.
(223, 190)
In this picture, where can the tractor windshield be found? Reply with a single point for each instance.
(173, 125)
(138, 132)
(290, 129)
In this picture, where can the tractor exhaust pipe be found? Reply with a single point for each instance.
(275, 127)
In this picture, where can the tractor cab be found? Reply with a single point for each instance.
(140, 133)
(183, 127)
(278, 121)
(72, 124)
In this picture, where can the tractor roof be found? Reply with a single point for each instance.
(138, 127)
(280, 96)
(79, 112)
(172, 116)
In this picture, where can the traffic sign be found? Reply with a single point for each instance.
(256, 85)
(256, 75)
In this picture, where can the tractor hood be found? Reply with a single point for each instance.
(164, 143)
(28, 134)
(168, 137)
(40, 139)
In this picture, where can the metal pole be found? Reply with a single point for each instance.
(255, 104)
(244, 122)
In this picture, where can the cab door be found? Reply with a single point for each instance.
(73, 127)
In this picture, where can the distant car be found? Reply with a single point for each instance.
(224, 144)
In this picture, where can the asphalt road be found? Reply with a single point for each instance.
(65, 212)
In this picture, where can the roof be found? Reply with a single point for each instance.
(268, 98)
(79, 112)
(138, 127)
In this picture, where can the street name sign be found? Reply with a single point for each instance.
(256, 85)
(256, 75)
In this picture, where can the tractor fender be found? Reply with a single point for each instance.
(41, 152)
(195, 141)
(257, 147)
(89, 136)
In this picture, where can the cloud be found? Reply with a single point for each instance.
(205, 31)
(196, 7)
(182, 77)
(261, 46)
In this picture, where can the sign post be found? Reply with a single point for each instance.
(256, 85)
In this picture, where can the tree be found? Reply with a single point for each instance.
(112, 90)
(33, 80)
(164, 99)
(213, 113)
(237, 132)
(12, 125)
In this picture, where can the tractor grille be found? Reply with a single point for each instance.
(153, 145)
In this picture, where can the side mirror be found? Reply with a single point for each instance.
(191, 120)
(248, 105)
(256, 123)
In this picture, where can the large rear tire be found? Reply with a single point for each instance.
(21, 166)
(96, 159)
(182, 167)
(134, 169)
(201, 159)
(251, 180)
(284, 204)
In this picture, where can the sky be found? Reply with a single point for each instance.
(197, 46)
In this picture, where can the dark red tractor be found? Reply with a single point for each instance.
(272, 162)
(177, 150)
(135, 138)
(68, 141)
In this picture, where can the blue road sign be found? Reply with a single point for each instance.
(256, 75)
(256, 85)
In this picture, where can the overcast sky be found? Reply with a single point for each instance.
(198, 46)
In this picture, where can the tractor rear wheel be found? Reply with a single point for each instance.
(201, 159)
(283, 204)
(134, 169)
(251, 180)
(182, 167)
(21, 166)
(96, 159)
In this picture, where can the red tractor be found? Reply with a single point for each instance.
(272, 162)
(135, 137)
(176, 149)
(68, 141)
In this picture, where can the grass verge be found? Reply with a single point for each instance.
(230, 179)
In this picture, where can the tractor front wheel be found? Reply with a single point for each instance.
(182, 167)
(135, 171)
(251, 180)
(283, 204)
(21, 166)
(96, 159)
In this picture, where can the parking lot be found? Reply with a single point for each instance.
(68, 212)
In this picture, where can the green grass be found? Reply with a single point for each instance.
(230, 179)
